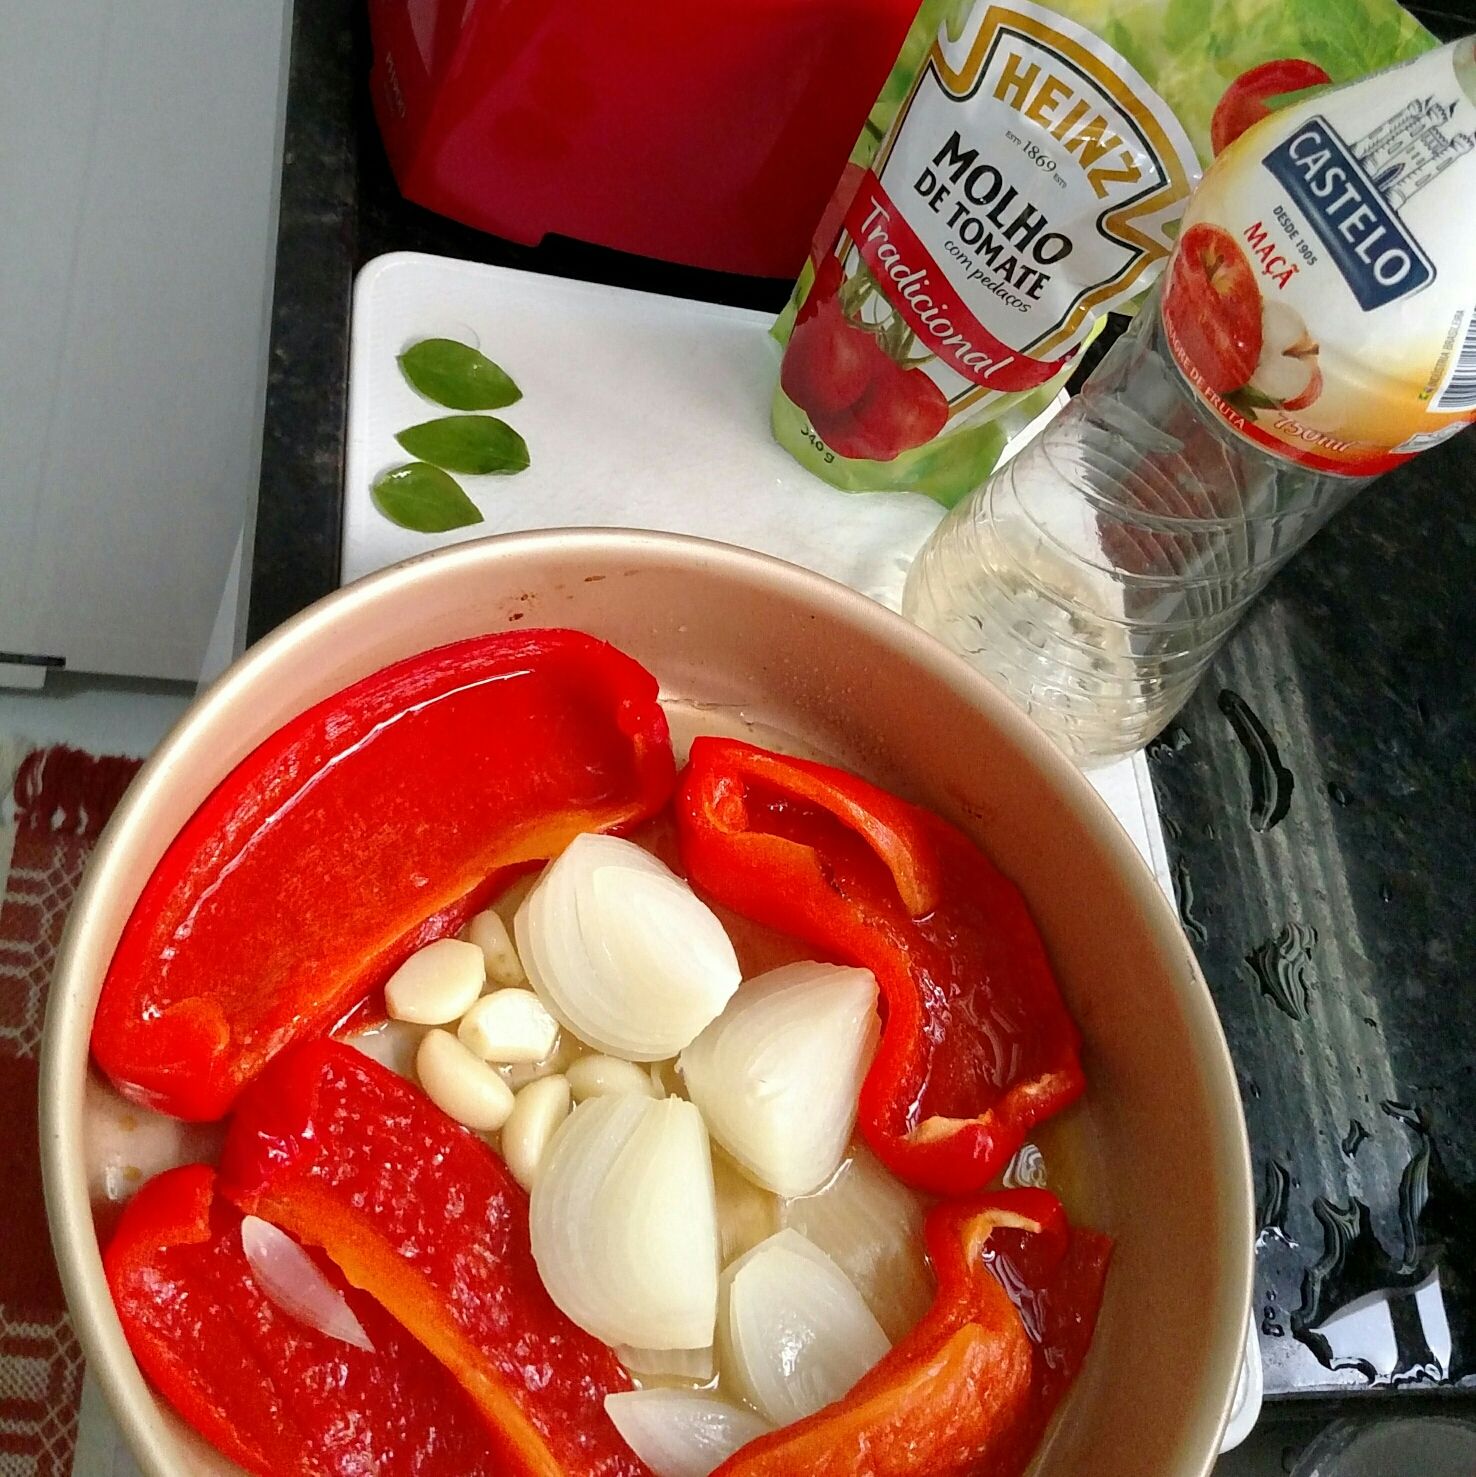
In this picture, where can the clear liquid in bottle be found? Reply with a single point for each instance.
(1316, 326)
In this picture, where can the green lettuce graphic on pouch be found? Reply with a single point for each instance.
(878, 391)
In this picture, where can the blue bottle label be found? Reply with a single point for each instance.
(1349, 210)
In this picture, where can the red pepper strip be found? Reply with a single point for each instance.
(365, 827)
(976, 1045)
(347, 1156)
(972, 1388)
(270, 1393)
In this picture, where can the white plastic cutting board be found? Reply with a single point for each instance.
(639, 412)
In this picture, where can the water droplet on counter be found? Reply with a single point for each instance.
(1414, 1195)
(1354, 1138)
(1275, 1191)
(1271, 782)
(1184, 895)
(1437, 1214)
(1353, 1266)
(1403, 1320)
(1337, 794)
(1282, 966)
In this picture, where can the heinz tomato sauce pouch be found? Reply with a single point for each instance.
(1024, 171)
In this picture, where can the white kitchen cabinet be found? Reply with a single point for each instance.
(140, 151)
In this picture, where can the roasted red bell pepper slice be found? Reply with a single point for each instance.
(977, 1045)
(270, 1393)
(971, 1389)
(372, 823)
(349, 1157)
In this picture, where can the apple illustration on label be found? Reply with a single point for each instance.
(1212, 308)
(1287, 371)
(1247, 99)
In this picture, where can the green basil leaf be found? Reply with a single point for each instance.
(424, 499)
(467, 443)
(456, 375)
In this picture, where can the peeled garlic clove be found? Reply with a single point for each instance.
(509, 1026)
(489, 933)
(603, 1076)
(461, 1085)
(538, 1110)
(436, 984)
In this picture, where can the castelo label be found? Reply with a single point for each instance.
(1322, 296)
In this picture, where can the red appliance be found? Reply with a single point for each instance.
(708, 133)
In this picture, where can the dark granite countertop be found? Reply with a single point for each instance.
(1318, 794)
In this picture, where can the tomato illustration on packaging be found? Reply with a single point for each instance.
(1028, 182)
(1322, 297)
(862, 401)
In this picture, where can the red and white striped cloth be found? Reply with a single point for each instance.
(53, 805)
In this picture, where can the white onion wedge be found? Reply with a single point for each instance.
(623, 1220)
(778, 1074)
(870, 1225)
(747, 1213)
(682, 1433)
(622, 952)
(292, 1280)
(793, 1332)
